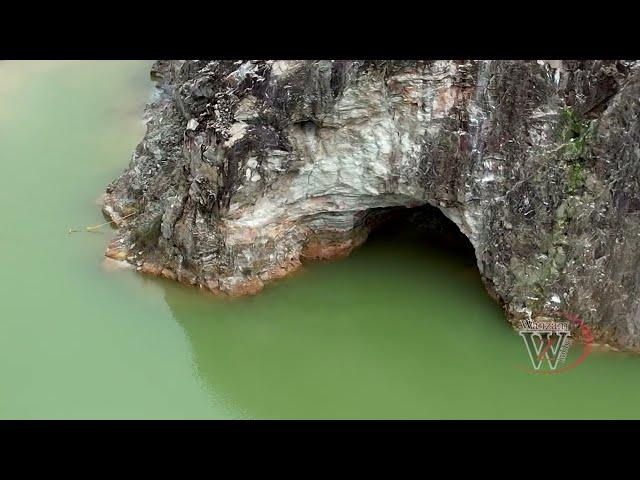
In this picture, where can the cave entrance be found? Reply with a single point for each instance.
(420, 227)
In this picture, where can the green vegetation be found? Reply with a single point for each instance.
(574, 133)
(576, 177)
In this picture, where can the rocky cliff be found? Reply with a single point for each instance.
(247, 167)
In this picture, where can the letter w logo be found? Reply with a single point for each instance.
(546, 344)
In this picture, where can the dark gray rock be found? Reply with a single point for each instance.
(249, 166)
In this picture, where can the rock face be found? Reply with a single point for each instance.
(248, 167)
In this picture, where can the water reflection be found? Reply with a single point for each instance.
(362, 337)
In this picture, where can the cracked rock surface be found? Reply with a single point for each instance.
(248, 167)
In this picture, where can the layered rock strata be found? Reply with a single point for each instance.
(249, 167)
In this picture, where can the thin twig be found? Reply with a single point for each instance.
(94, 228)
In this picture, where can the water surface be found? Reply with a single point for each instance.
(401, 329)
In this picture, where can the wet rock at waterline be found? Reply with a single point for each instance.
(249, 167)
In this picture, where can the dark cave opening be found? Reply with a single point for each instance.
(420, 227)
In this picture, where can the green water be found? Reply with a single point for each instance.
(397, 330)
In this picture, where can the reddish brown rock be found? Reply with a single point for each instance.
(239, 287)
(166, 273)
(187, 277)
(151, 268)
